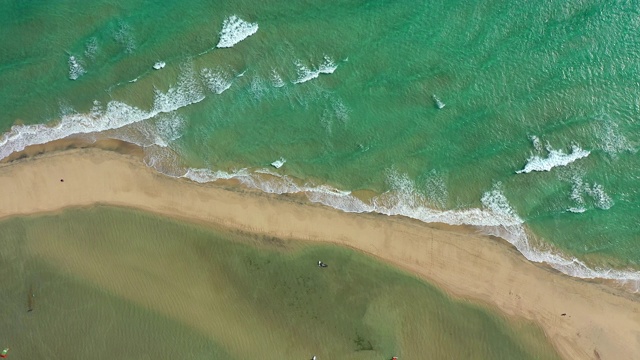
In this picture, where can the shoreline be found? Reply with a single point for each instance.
(601, 320)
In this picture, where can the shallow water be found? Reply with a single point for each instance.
(343, 92)
(116, 283)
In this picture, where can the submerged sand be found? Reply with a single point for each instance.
(584, 320)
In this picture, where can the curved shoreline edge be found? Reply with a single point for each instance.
(599, 319)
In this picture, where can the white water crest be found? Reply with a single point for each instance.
(278, 163)
(554, 159)
(305, 73)
(235, 30)
(114, 115)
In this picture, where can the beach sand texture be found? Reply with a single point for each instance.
(599, 321)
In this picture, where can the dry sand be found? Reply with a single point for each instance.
(601, 322)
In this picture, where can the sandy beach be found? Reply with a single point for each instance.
(583, 319)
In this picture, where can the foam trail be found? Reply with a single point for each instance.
(536, 142)
(611, 139)
(556, 158)
(91, 48)
(217, 81)
(115, 115)
(305, 74)
(276, 79)
(602, 199)
(75, 68)
(235, 30)
(124, 36)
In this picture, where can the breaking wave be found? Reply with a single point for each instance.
(114, 115)
(235, 30)
(554, 159)
(305, 73)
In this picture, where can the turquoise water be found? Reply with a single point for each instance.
(537, 141)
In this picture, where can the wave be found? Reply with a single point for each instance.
(305, 74)
(75, 68)
(235, 30)
(555, 158)
(114, 115)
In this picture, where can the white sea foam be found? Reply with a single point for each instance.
(91, 48)
(75, 68)
(611, 139)
(595, 191)
(536, 143)
(276, 79)
(305, 73)
(218, 80)
(164, 160)
(436, 190)
(124, 36)
(602, 199)
(278, 163)
(555, 158)
(258, 88)
(206, 175)
(113, 116)
(235, 30)
(169, 127)
(340, 110)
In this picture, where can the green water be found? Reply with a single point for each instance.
(112, 282)
(509, 72)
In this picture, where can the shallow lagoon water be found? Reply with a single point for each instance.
(110, 282)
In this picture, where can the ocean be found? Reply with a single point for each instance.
(517, 117)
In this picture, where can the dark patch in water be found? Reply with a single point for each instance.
(362, 344)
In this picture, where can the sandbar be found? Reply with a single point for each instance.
(582, 319)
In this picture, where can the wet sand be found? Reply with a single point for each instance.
(599, 321)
